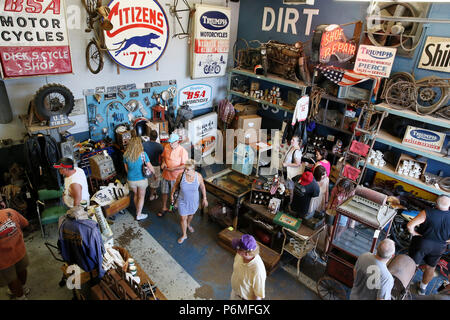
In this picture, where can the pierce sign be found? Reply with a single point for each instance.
(140, 33)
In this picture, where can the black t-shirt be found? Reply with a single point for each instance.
(154, 151)
(436, 226)
(303, 195)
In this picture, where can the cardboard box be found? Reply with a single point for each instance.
(248, 128)
(423, 164)
(245, 109)
(424, 139)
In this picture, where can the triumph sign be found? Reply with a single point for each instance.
(140, 33)
(211, 38)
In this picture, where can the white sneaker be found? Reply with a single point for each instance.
(26, 292)
(142, 217)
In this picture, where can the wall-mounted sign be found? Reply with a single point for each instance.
(195, 95)
(334, 43)
(33, 38)
(140, 33)
(376, 61)
(211, 41)
(436, 54)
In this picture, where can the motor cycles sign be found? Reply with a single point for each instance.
(195, 95)
(211, 38)
(33, 38)
(140, 33)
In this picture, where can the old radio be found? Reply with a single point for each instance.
(102, 166)
(123, 136)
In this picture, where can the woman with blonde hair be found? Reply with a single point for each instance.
(134, 159)
(189, 181)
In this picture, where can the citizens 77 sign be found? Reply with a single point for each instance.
(140, 32)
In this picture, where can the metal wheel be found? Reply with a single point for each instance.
(330, 289)
(381, 33)
(401, 95)
(53, 99)
(94, 57)
(430, 98)
(396, 77)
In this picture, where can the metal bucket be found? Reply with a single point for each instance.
(6, 115)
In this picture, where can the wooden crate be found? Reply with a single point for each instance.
(116, 206)
(269, 257)
(408, 157)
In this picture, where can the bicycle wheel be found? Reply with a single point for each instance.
(94, 57)
(330, 289)
(401, 95)
(431, 98)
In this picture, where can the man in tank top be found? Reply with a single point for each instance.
(75, 183)
(430, 240)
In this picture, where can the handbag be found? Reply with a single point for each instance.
(145, 170)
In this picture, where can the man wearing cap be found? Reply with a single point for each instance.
(249, 273)
(173, 157)
(75, 183)
(306, 188)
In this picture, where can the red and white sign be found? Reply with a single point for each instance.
(140, 33)
(375, 61)
(424, 139)
(33, 38)
(195, 95)
(211, 34)
(334, 42)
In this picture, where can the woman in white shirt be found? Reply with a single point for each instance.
(293, 164)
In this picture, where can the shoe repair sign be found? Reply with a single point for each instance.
(140, 32)
(195, 95)
(211, 41)
(33, 38)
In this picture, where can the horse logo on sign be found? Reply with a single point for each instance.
(140, 33)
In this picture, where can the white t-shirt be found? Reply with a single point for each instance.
(80, 178)
(248, 279)
(294, 171)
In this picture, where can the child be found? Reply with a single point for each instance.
(319, 203)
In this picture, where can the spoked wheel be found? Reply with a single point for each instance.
(94, 57)
(330, 289)
(401, 95)
(396, 77)
(52, 100)
(429, 99)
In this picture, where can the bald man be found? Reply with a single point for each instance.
(430, 241)
(371, 277)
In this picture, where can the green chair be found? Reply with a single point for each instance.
(52, 210)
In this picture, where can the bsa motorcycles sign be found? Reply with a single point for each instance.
(211, 38)
(140, 33)
(195, 95)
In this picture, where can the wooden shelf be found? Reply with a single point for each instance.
(271, 78)
(285, 107)
(410, 114)
(37, 128)
(387, 138)
(389, 171)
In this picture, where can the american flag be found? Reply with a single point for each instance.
(344, 77)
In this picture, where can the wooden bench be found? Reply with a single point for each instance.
(269, 257)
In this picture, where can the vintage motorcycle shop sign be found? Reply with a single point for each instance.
(375, 61)
(211, 38)
(33, 38)
(195, 95)
(436, 54)
(140, 33)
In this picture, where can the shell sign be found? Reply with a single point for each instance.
(140, 32)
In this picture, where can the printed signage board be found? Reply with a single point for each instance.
(424, 139)
(211, 41)
(195, 96)
(375, 61)
(202, 132)
(33, 38)
(140, 33)
(436, 54)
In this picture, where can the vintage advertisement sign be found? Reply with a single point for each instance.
(33, 38)
(424, 139)
(140, 33)
(436, 54)
(195, 96)
(211, 41)
(335, 43)
(202, 132)
(375, 61)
